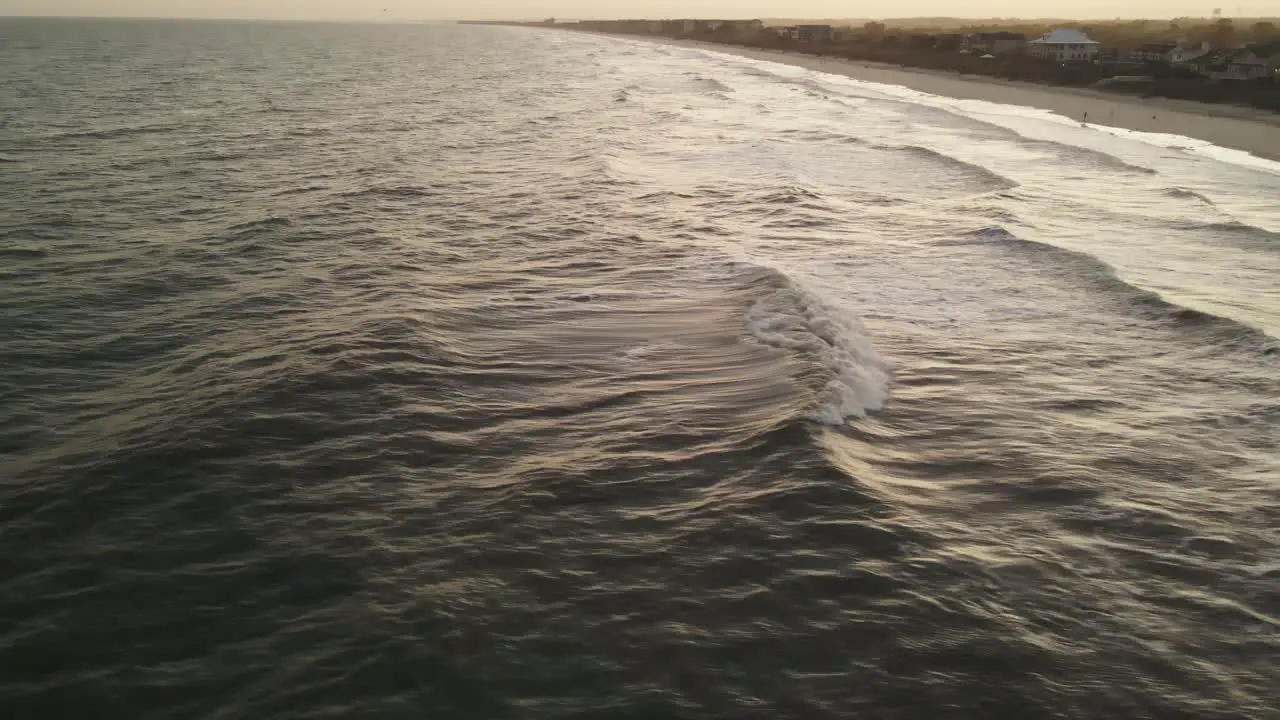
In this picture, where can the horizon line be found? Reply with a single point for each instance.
(424, 20)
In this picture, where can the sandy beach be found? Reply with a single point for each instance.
(1240, 128)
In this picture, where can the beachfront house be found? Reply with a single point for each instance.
(1065, 46)
(1235, 65)
(1244, 64)
(1185, 56)
(1154, 53)
(993, 43)
(1214, 61)
(1269, 53)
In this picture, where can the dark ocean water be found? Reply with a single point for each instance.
(460, 372)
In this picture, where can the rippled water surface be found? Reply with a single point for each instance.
(464, 372)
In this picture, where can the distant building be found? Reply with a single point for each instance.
(1244, 64)
(1154, 52)
(1269, 53)
(1211, 63)
(1235, 64)
(1185, 56)
(1065, 46)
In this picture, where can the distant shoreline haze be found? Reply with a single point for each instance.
(833, 11)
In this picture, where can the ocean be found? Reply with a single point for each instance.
(398, 371)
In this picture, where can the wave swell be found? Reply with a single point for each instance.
(854, 377)
(1148, 303)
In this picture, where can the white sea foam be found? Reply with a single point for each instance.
(859, 377)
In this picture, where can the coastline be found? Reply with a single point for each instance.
(1240, 128)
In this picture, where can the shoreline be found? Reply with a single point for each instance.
(1239, 128)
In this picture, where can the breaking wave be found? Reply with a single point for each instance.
(851, 378)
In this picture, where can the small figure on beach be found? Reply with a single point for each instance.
(1085, 119)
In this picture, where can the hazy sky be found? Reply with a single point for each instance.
(488, 9)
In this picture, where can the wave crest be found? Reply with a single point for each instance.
(856, 378)
(993, 180)
(1147, 303)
